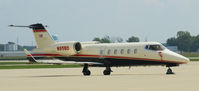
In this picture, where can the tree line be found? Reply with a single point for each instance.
(108, 39)
(184, 41)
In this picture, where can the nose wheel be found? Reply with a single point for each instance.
(86, 71)
(169, 71)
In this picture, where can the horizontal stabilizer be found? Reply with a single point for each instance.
(57, 61)
(30, 26)
(30, 57)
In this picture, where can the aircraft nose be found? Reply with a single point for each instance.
(169, 55)
(187, 60)
(184, 59)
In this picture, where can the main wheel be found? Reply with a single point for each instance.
(107, 72)
(87, 73)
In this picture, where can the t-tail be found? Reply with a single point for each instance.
(42, 37)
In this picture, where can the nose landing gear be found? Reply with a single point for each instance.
(169, 71)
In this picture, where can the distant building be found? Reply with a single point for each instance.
(11, 46)
(29, 48)
(12, 54)
(173, 48)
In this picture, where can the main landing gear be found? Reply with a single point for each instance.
(85, 70)
(107, 71)
(169, 71)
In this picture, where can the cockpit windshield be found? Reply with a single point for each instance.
(154, 47)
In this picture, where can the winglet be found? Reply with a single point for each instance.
(30, 57)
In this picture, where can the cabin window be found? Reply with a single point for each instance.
(122, 51)
(109, 52)
(135, 51)
(154, 47)
(101, 52)
(115, 51)
(128, 51)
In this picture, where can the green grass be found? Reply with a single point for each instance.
(194, 59)
(11, 63)
(27, 65)
(36, 66)
(191, 54)
(13, 58)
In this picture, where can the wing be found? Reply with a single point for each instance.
(56, 61)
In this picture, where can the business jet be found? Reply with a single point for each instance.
(100, 54)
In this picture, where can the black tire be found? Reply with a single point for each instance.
(107, 72)
(87, 73)
(169, 71)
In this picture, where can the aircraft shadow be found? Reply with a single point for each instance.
(46, 76)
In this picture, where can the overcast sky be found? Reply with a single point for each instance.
(82, 20)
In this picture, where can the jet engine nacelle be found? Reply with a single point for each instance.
(68, 48)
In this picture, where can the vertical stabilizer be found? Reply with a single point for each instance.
(42, 37)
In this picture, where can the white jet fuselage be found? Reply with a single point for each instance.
(136, 53)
